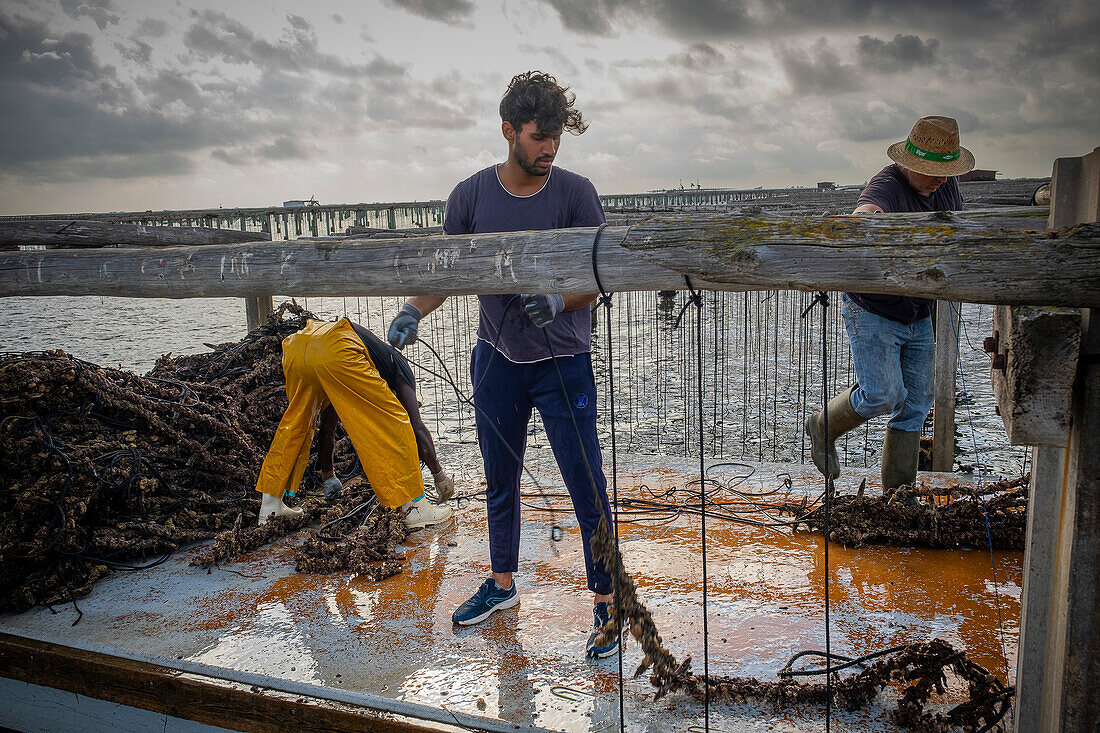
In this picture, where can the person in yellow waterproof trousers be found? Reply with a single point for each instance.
(328, 363)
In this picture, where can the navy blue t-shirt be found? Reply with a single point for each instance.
(890, 190)
(481, 205)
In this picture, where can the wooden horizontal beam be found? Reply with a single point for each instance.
(978, 257)
(189, 696)
(78, 233)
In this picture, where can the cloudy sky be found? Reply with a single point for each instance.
(147, 104)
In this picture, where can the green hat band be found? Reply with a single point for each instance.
(926, 155)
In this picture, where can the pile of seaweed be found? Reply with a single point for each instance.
(106, 470)
(949, 517)
(357, 535)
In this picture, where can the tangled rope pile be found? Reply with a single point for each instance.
(942, 518)
(106, 470)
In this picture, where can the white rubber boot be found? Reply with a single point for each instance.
(423, 513)
(274, 505)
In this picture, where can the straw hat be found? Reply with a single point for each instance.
(933, 149)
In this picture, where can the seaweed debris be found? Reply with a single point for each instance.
(107, 470)
(948, 517)
(357, 535)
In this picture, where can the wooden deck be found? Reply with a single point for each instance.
(254, 646)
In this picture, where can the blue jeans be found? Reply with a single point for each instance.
(894, 365)
(505, 398)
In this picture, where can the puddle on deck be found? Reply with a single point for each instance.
(525, 665)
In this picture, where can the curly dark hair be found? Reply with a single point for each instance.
(536, 96)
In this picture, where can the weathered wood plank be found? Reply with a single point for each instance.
(982, 260)
(79, 233)
(977, 257)
(192, 697)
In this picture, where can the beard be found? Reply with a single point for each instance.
(528, 165)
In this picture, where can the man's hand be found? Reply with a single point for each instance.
(542, 309)
(402, 331)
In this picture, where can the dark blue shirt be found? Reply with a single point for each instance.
(480, 205)
(890, 190)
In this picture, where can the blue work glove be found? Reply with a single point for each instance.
(402, 330)
(543, 308)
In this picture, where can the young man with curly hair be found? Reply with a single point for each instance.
(515, 366)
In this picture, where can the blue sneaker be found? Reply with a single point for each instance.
(489, 597)
(609, 647)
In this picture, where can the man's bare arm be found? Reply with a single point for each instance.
(576, 302)
(868, 209)
(426, 303)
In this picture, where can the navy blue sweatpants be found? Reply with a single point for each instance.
(506, 397)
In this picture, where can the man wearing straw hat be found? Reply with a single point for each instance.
(891, 335)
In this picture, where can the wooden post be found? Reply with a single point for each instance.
(391, 214)
(314, 218)
(1080, 625)
(1048, 465)
(1058, 672)
(258, 310)
(947, 360)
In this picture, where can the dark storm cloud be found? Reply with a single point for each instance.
(151, 28)
(140, 52)
(215, 35)
(288, 148)
(561, 63)
(869, 122)
(62, 110)
(713, 19)
(591, 17)
(452, 12)
(902, 53)
(169, 86)
(682, 93)
(816, 70)
(699, 56)
(103, 12)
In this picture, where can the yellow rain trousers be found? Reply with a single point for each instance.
(327, 363)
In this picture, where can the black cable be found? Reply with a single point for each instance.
(823, 299)
(556, 531)
(697, 299)
(605, 300)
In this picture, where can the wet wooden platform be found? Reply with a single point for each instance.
(271, 647)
